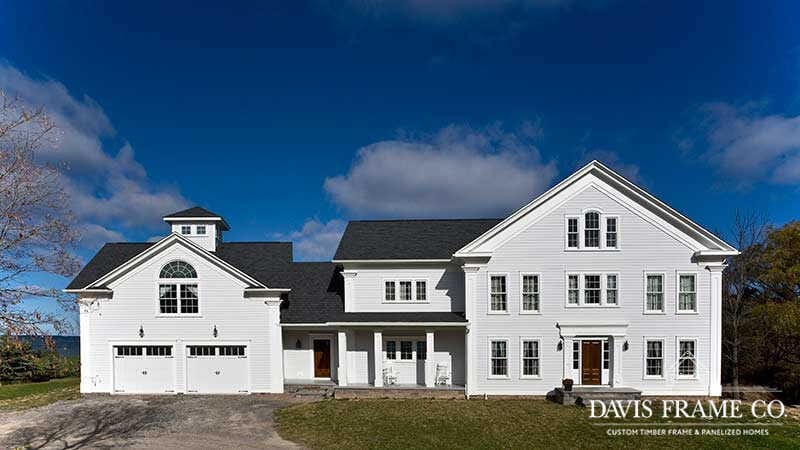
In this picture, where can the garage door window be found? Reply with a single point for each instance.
(231, 350)
(130, 350)
(144, 350)
(178, 296)
(202, 350)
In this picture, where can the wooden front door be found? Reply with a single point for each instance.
(322, 358)
(591, 362)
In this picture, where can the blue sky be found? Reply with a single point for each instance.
(291, 118)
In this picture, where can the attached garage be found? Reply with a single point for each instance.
(144, 369)
(217, 369)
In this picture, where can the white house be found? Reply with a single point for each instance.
(595, 280)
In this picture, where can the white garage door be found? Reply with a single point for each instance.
(216, 369)
(144, 369)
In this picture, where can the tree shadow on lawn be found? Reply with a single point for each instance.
(98, 426)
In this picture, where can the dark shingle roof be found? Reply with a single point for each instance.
(194, 211)
(419, 316)
(109, 257)
(409, 239)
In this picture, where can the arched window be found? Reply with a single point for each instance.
(591, 227)
(178, 269)
(180, 297)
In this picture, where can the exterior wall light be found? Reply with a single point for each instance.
(298, 345)
(215, 333)
(141, 331)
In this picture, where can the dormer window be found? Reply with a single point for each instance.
(177, 289)
(593, 230)
(186, 229)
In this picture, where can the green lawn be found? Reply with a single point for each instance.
(487, 424)
(31, 395)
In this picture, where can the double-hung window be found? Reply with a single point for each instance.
(573, 235)
(687, 292)
(573, 289)
(591, 289)
(612, 291)
(687, 358)
(499, 358)
(405, 291)
(391, 350)
(530, 358)
(406, 350)
(177, 289)
(498, 301)
(654, 358)
(654, 301)
(611, 232)
(530, 293)
(591, 229)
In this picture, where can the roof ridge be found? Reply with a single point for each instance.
(429, 220)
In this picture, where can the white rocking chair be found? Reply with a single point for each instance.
(389, 377)
(442, 374)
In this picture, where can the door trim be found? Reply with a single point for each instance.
(598, 344)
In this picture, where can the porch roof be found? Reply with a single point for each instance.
(387, 318)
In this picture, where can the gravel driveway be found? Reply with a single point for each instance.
(148, 422)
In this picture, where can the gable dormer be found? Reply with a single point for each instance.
(199, 225)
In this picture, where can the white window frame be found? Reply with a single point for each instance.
(489, 309)
(566, 233)
(678, 309)
(663, 341)
(522, 309)
(663, 292)
(678, 357)
(397, 299)
(178, 282)
(489, 358)
(582, 286)
(205, 230)
(522, 340)
(186, 227)
(582, 231)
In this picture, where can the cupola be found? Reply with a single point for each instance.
(199, 225)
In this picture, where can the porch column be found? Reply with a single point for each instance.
(430, 363)
(715, 332)
(567, 352)
(342, 373)
(377, 353)
(616, 362)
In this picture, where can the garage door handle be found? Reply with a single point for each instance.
(216, 372)
(144, 372)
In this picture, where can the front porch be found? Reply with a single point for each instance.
(398, 358)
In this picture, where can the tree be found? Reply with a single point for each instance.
(37, 232)
(741, 289)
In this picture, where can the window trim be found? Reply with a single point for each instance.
(663, 309)
(397, 339)
(397, 301)
(582, 231)
(522, 341)
(582, 286)
(489, 358)
(489, 309)
(186, 227)
(678, 340)
(177, 282)
(663, 341)
(522, 309)
(678, 309)
(197, 230)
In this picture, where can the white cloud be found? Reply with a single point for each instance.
(315, 241)
(749, 146)
(109, 191)
(457, 172)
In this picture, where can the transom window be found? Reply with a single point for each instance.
(654, 301)
(687, 293)
(687, 359)
(499, 358)
(592, 289)
(498, 297)
(405, 291)
(178, 269)
(593, 230)
(654, 359)
(530, 293)
(530, 358)
(178, 298)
